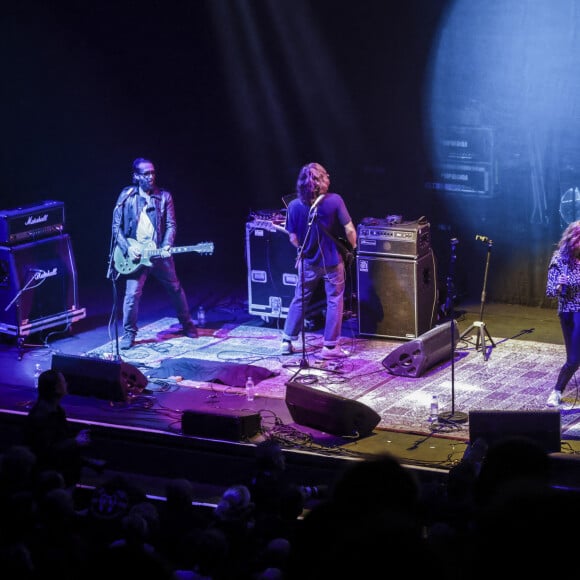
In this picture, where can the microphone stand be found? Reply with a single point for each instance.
(479, 324)
(114, 276)
(300, 265)
(300, 260)
(304, 364)
(452, 416)
(16, 300)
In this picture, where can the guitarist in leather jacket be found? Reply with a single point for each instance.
(144, 216)
(315, 219)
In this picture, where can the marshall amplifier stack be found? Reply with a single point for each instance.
(396, 278)
(38, 278)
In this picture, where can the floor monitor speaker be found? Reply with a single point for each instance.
(231, 425)
(542, 426)
(328, 412)
(94, 377)
(396, 296)
(413, 358)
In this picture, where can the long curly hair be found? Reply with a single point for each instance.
(313, 180)
(569, 244)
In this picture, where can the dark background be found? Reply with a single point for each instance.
(230, 98)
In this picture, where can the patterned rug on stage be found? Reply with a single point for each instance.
(517, 375)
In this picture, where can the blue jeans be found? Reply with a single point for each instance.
(334, 284)
(164, 271)
(570, 324)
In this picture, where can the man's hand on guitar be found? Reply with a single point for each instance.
(165, 252)
(134, 253)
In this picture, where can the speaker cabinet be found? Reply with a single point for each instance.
(221, 424)
(272, 275)
(38, 286)
(413, 358)
(329, 413)
(396, 296)
(103, 379)
(542, 426)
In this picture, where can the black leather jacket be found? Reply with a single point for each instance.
(130, 204)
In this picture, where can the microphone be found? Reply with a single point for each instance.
(316, 202)
(130, 192)
(564, 287)
(482, 238)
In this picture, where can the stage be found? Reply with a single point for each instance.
(167, 424)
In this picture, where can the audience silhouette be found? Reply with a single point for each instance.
(496, 512)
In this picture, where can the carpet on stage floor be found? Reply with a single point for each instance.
(517, 374)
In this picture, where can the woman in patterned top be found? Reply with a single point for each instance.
(564, 282)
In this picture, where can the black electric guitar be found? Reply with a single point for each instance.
(148, 250)
(344, 247)
(346, 251)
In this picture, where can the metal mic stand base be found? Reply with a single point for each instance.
(452, 417)
(481, 336)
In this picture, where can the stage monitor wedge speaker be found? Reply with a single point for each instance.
(95, 377)
(231, 425)
(542, 426)
(38, 286)
(413, 358)
(328, 412)
(396, 296)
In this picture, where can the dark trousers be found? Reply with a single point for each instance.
(570, 323)
(164, 271)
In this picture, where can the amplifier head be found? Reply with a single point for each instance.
(404, 240)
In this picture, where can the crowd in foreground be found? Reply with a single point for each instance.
(497, 515)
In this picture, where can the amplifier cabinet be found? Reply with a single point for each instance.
(396, 297)
(272, 275)
(38, 286)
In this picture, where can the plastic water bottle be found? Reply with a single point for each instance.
(37, 373)
(201, 316)
(434, 409)
(250, 389)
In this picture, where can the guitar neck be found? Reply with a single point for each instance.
(206, 248)
(155, 252)
(181, 249)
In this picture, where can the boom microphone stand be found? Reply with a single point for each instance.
(482, 331)
(114, 276)
(300, 264)
(300, 261)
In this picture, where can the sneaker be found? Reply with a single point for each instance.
(127, 341)
(335, 352)
(554, 399)
(190, 330)
(287, 347)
